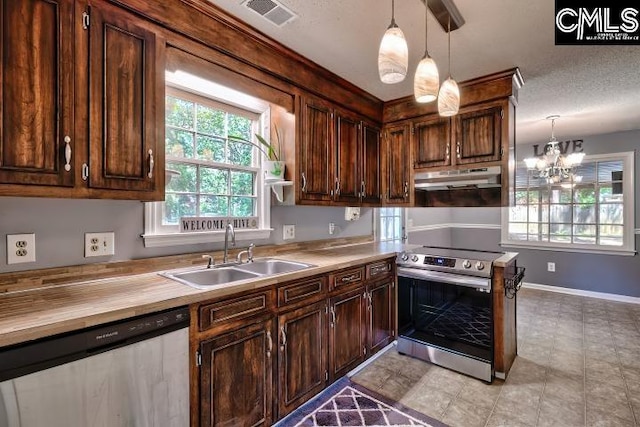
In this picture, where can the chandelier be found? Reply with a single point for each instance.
(553, 167)
(393, 58)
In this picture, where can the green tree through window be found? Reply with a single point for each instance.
(217, 175)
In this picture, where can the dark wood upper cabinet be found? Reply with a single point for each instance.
(37, 144)
(125, 142)
(346, 333)
(347, 143)
(431, 142)
(317, 180)
(371, 165)
(473, 136)
(397, 170)
(478, 133)
(381, 323)
(236, 387)
(339, 156)
(302, 364)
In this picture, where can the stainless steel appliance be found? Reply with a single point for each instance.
(489, 177)
(129, 373)
(445, 310)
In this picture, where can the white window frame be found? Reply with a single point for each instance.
(399, 215)
(158, 235)
(628, 245)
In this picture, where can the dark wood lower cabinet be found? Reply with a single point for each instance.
(254, 360)
(381, 322)
(236, 387)
(302, 362)
(346, 333)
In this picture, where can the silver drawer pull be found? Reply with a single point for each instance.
(151, 164)
(349, 278)
(269, 344)
(284, 338)
(67, 153)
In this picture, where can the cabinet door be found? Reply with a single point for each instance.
(125, 136)
(371, 165)
(347, 140)
(397, 164)
(36, 82)
(431, 143)
(381, 323)
(478, 133)
(302, 365)
(236, 378)
(346, 333)
(316, 151)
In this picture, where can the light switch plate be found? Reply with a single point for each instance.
(21, 248)
(98, 244)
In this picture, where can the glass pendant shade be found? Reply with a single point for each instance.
(393, 56)
(426, 80)
(449, 98)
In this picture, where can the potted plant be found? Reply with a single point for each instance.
(272, 164)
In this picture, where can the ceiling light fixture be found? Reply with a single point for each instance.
(553, 166)
(393, 55)
(449, 95)
(426, 80)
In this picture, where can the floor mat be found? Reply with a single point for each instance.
(349, 404)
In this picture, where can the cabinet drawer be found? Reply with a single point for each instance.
(227, 311)
(292, 293)
(379, 269)
(346, 278)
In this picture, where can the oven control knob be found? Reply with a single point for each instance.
(466, 263)
(479, 265)
(405, 257)
(414, 258)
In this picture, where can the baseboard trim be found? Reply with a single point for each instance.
(452, 225)
(582, 293)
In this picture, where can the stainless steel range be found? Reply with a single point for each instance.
(445, 310)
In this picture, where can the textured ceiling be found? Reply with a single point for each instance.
(595, 89)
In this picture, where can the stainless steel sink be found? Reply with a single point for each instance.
(269, 267)
(205, 278)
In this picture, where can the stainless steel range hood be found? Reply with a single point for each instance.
(464, 178)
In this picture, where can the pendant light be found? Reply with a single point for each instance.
(393, 56)
(449, 96)
(426, 80)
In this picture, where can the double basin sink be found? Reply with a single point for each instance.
(205, 278)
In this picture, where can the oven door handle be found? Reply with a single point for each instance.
(452, 279)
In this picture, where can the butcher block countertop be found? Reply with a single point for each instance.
(42, 303)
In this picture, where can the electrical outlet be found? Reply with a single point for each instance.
(288, 232)
(98, 244)
(21, 248)
(551, 266)
(332, 228)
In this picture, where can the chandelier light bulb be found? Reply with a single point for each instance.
(449, 98)
(426, 81)
(449, 95)
(393, 55)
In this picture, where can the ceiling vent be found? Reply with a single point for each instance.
(273, 11)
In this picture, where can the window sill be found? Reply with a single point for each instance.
(177, 239)
(598, 251)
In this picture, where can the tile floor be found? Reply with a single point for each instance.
(578, 364)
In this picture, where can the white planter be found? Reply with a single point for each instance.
(273, 170)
